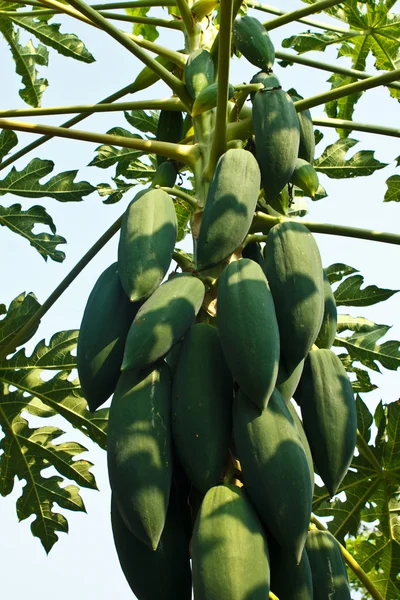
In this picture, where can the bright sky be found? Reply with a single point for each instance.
(83, 564)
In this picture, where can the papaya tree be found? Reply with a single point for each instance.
(248, 452)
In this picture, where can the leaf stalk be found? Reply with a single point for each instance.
(295, 15)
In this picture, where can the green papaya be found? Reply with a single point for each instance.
(139, 451)
(304, 441)
(105, 324)
(305, 177)
(277, 136)
(163, 320)
(287, 381)
(148, 77)
(254, 252)
(290, 581)
(146, 243)
(328, 409)
(230, 558)
(275, 469)
(202, 398)
(329, 574)
(169, 129)
(166, 175)
(295, 274)
(252, 39)
(327, 333)
(173, 356)
(229, 208)
(307, 138)
(207, 99)
(163, 574)
(269, 80)
(199, 71)
(248, 329)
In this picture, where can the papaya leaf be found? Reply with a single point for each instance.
(312, 42)
(107, 156)
(143, 121)
(393, 189)
(149, 32)
(8, 139)
(337, 271)
(333, 161)
(67, 44)
(26, 59)
(349, 293)
(361, 381)
(183, 214)
(114, 195)
(372, 496)
(23, 223)
(362, 344)
(21, 309)
(398, 161)
(61, 187)
(342, 108)
(136, 169)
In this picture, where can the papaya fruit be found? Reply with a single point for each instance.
(269, 80)
(163, 574)
(202, 397)
(199, 71)
(295, 275)
(139, 451)
(287, 381)
(277, 137)
(207, 99)
(173, 356)
(146, 243)
(290, 581)
(230, 559)
(327, 333)
(303, 438)
(229, 208)
(305, 177)
(328, 409)
(169, 129)
(105, 324)
(163, 320)
(254, 252)
(148, 77)
(248, 329)
(166, 175)
(328, 569)
(252, 39)
(275, 469)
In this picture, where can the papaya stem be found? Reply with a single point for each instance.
(294, 15)
(366, 451)
(264, 223)
(215, 46)
(353, 564)
(60, 289)
(164, 104)
(193, 203)
(179, 152)
(248, 87)
(354, 126)
(219, 144)
(187, 16)
(183, 261)
(111, 5)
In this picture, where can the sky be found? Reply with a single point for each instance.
(83, 564)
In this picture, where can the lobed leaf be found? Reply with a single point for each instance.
(337, 271)
(8, 140)
(149, 32)
(393, 189)
(21, 309)
(349, 293)
(333, 161)
(143, 121)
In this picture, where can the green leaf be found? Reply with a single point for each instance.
(393, 189)
(26, 58)
(349, 293)
(149, 32)
(362, 383)
(23, 223)
(114, 195)
(333, 161)
(141, 120)
(183, 214)
(61, 187)
(107, 156)
(136, 169)
(8, 139)
(362, 344)
(67, 44)
(337, 271)
(311, 41)
(21, 309)
(342, 108)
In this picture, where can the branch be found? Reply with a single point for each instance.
(295, 15)
(111, 5)
(179, 152)
(193, 203)
(214, 48)
(187, 16)
(264, 223)
(158, 104)
(353, 564)
(309, 62)
(354, 126)
(60, 289)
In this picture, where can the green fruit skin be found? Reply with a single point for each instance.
(307, 139)
(228, 213)
(287, 382)
(252, 40)
(230, 559)
(277, 137)
(295, 274)
(105, 325)
(305, 177)
(254, 252)
(304, 440)
(269, 81)
(199, 71)
(202, 397)
(163, 320)
(170, 129)
(275, 469)
(248, 329)
(290, 581)
(139, 451)
(163, 574)
(328, 409)
(207, 99)
(328, 568)
(327, 333)
(146, 243)
(166, 175)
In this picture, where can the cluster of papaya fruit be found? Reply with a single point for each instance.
(210, 466)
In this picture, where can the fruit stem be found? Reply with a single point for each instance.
(353, 564)
(158, 104)
(60, 289)
(193, 203)
(354, 126)
(264, 223)
(289, 17)
(179, 152)
(183, 261)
